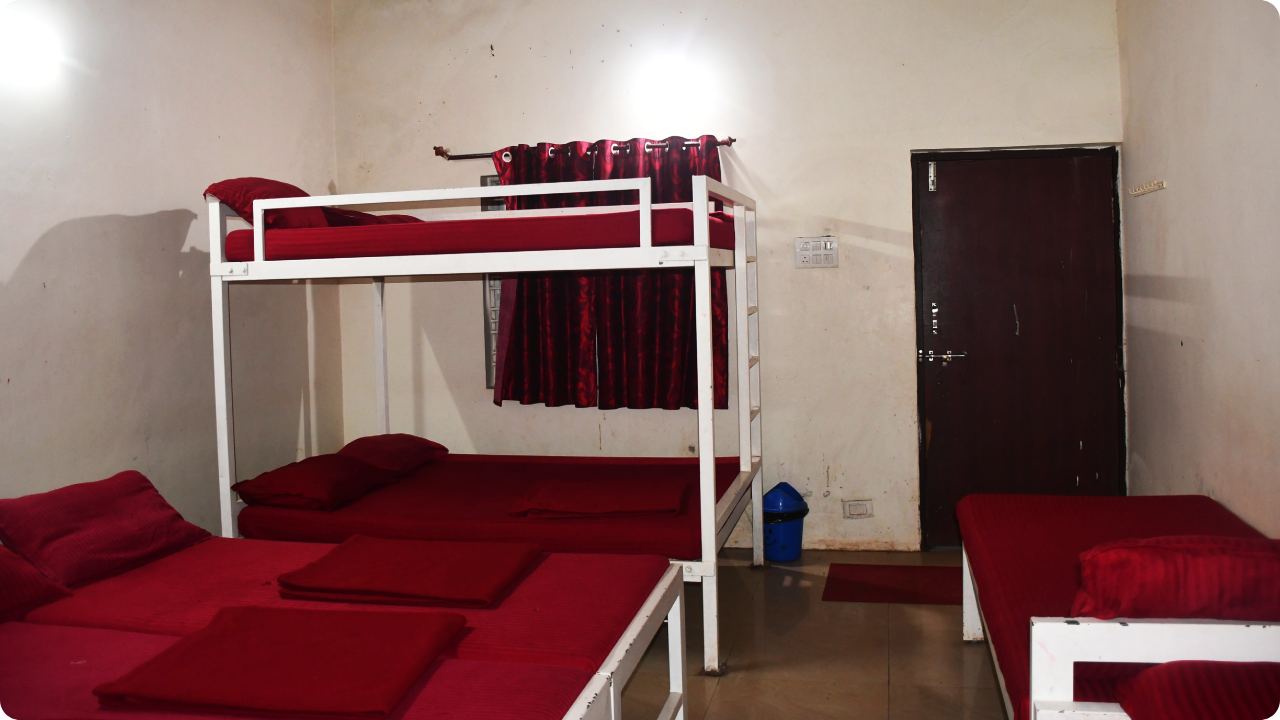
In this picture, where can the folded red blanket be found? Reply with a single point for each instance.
(591, 498)
(1196, 690)
(283, 662)
(410, 572)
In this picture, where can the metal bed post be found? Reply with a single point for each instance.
(380, 355)
(706, 431)
(222, 369)
(677, 698)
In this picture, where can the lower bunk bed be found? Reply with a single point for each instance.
(475, 497)
(1022, 574)
(557, 636)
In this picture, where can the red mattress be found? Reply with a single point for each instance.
(49, 672)
(1024, 552)
(671, 226)
(566, 610)
(469, 497)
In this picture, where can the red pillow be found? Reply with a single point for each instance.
(23, 588)
(239, 194)
(86, 532)
(323, 482)
(1192, 690)
(397, 452)
(339, 217)
(1194, 576)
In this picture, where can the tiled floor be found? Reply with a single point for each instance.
(791, 655)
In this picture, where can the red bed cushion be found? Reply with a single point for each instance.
(80, 533)
(595, 595)
(323, 482)
(239, 194)
(1024, 551)
(1219, 578)
(397, 452)
(569, 499)
(671, 226)
(23, 588)
(468, 497)
(289, 663)
(340, 217)
(410, 572)
(1195, 690)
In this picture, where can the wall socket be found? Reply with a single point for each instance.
(819, 252)
(858, 509)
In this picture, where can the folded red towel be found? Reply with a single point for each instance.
(578, 499)
(284, 662)
(410, 572)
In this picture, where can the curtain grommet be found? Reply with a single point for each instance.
(506, 156)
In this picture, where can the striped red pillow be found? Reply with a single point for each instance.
(86, 532)
(1192, 576)
(23, 588)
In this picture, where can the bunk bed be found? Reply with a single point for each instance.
(647, 235)
(558, 635)
(1022, 571)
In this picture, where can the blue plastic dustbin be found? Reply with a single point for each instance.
(784, 512)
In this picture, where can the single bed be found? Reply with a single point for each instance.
(469, 497)
(1021, 558)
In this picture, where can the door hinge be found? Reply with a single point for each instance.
(933, 177)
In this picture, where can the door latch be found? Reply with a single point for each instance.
(935, 317)
(947, 356)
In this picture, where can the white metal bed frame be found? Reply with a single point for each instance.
(717, 518)
(1058, 643)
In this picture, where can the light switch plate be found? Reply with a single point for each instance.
(818, 252)
(858, 509)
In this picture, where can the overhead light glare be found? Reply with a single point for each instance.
(30, 51)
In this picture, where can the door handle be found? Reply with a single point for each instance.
(945, 356)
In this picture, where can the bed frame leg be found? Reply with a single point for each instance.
(380, 356)
(711, 664)
(222, 403)
(676, 655)
(757, 519)
(972, 619)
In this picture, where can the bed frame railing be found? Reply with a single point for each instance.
(719, 518)
(1057, 644)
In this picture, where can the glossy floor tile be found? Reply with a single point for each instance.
(788, 654)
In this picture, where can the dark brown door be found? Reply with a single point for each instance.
(1016, 268)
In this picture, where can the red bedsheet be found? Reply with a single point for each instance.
(567, 610)
(48, 672)
(1024, 551)
(671, 226)
(469, 497)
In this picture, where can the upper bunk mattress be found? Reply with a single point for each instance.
(49, 672)
(469, 497)
(1024, 551)
(671, 226)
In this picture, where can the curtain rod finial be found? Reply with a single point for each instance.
(441, 152)
(729, 142)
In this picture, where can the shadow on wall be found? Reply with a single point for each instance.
(106, 362)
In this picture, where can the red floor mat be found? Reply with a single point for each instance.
(909, 584)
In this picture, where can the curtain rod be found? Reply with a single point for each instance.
(441, 152)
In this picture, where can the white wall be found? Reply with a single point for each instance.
(1202, 111)
(105, 339)
(828, 99)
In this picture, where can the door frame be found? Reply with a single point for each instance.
(921, 158)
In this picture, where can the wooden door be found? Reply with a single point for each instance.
(1017, 268)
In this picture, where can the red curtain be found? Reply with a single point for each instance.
(616, 338)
